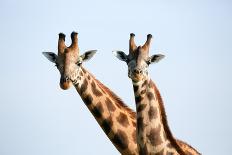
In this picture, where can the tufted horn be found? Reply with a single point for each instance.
(132, 46)
(61, 43)
(74, 44)
(146, 45)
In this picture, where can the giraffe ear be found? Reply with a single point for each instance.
(50, 56)
(120, 55)
(155, 58)
(88, 55)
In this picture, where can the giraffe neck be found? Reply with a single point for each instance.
(114, 117)
(153, 133)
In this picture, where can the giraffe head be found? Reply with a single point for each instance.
(68, 61)
(138, 59)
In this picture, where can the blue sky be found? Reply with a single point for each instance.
(37, 117)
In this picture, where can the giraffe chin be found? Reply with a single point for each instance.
(65, 85)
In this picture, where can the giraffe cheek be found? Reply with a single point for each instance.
(65, 85)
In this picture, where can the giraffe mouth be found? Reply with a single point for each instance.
(136, 77)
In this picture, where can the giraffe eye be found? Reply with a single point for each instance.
(79, 63)
(148, 62)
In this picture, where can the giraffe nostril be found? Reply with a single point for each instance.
(137, 71)
(66, 79)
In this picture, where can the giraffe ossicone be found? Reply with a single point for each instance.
(153, 133)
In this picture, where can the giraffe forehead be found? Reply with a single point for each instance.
(70, 56)
(139, 56)
(141, 62)
(67, 58)
(137, 63)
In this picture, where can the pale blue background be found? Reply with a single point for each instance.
(38, 118)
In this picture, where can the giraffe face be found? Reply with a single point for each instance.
(68, 61)
(138, 59)
(137, 67)
(138, 63)
(68, 68)
(70, 72)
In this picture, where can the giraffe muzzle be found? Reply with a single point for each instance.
(65, 83)
(64, 79)
(137, 71)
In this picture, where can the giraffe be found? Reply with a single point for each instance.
(115, 118)
(153, 133)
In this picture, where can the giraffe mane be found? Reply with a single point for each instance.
(165, 121)
(180, 141)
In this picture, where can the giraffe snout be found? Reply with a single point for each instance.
(65, 83)
(137, 71)
(64, 79)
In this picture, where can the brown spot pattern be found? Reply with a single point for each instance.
(143, 92)
(110, 105)
(120, 139)
(133, 123)
(150, 96)
(154, 136)
(81, 73)
(118, 102)
(138, 99)
(150, 84)
(123, 120)
(169, 145)
(135, 87)
(83, 86)
(107, 125)
(84, 70)
(141, 107)
(98, 110)
(95, 91)
(145, 83)
(152, 113)
(88, 99)
(132, 115)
